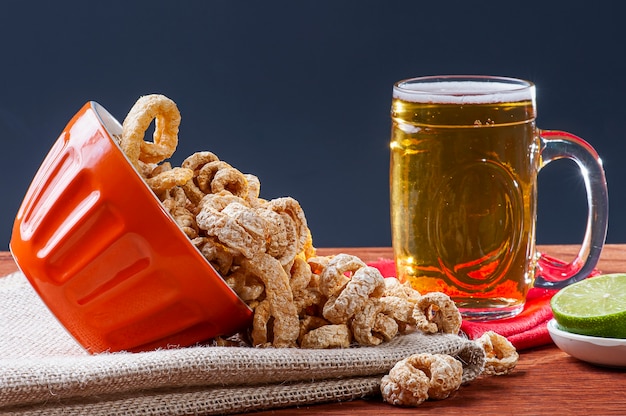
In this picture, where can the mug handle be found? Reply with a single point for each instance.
(553, 274)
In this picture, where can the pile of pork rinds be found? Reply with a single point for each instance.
(264, 251)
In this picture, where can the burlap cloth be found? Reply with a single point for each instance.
(44, 371)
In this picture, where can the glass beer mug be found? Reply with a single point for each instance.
(465, 154)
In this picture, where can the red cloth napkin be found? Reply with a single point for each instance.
(526, 330)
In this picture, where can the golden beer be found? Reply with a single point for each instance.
(463, 192)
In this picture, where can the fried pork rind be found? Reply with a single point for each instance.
(309, 323)
(226, 219)
(405, 385)
(146, 155)
(336, 273)
(385, 327)
(327, 336)
(304, 286)
(279, 298)
(217, 176)
(318, 264)
(420, 377)
(169, 179)
(501, 356)
(297, 230)
(277, 241)
(194, 163)
(364, 321)
(366, 282)
(254, 190)
(246, 285)
(401, 310)
(176, 204)
(165, 138)
(393, 287)
(436, 312)
(446, 375)
(220, 256)
(260, 321)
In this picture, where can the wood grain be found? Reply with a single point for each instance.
(7, 265)
(546, 380)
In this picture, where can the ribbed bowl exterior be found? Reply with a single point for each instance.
(106, 258)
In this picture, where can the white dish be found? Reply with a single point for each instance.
(609, 352)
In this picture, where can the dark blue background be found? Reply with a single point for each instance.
(298, 92)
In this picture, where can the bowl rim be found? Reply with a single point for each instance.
(554, 328)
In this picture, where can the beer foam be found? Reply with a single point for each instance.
(463, 92)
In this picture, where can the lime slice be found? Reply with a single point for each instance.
(595, 306)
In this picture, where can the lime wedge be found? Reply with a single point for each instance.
(595, 306)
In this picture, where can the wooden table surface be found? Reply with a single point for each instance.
(546, 380)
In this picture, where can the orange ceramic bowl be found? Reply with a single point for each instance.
(105, 256)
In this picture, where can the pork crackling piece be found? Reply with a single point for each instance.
(195, 162)
(303, 286)
(286, 324)
(398, 308)
(393, 287)
(327, 336)
(290, 207)
(436, 312)
(501, 356)
(175, 203)
(420, 377)
(166, 118)
(364, 322)
(336, 273)
(226, 218)
(164, 178)
(366, 282)
(144, 155)
(217, 176)
(385, 326)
